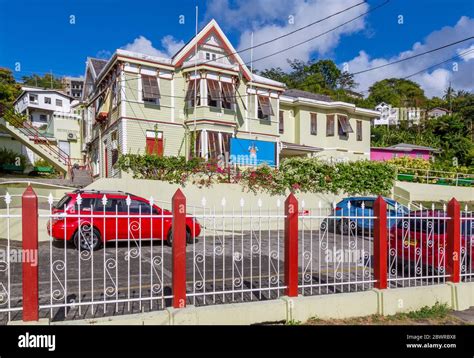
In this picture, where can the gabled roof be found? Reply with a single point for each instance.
(97, 65)
(27, 89)
(410, 147)
(440, 108)
(296, 93)
(212, 28)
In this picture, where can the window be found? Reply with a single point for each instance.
(86, 204)
(154, 143)
(330, 125)
(228, 96)
(218, 144)
(64, 202)
(281, 121)
(150, 89)
(59, 103)
(194, 91)
(33, 98)
(265, 109)
(208, 56)
(314, 124)
(195, 150)
(114, 142)
(47, 100)
(43, 118)
(112, 206)
(359, 130)
(214, 57)
(213, 93)
(115, 94)
(343, 126)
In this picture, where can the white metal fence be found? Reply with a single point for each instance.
(125, 261)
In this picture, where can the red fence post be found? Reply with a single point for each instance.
(29, 218)
(179, 249)
(380, 243)
(291, 246)
(453, 241)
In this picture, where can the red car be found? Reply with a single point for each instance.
(127, 217)
(421, 238)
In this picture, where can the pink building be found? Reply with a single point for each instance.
(402, 150)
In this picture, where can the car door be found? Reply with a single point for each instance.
(140, 221)
(106, 219)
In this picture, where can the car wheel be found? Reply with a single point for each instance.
(90, 238)
(169, 239)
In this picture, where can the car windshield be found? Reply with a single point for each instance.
(61, 204)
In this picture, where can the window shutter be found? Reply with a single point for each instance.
(281, 122)
(330, 125)
(213, 88)
(344, 125)
(359, 130)
(265, 105)
(150, 88)
(228, 90)
(314, 124)
(190, 92)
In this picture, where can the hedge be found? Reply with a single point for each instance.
(306, 175)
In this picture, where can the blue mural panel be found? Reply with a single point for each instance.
(252, 152)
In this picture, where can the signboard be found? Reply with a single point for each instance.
(252, 152)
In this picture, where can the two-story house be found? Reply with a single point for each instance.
(52, 117)
(204, 101)
(315, 125)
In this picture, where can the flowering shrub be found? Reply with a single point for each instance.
(295, 174)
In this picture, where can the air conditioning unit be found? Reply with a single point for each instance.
(71, 136)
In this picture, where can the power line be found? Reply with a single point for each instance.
(414, 56)
(288, 33)
(323, 33)
(440, 63)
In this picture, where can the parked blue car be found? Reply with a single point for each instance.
(357, 216)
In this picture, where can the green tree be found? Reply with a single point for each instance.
(9, 89)
(45, 81)
(397, 92)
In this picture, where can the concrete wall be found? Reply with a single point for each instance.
(434, 192)
(231, 192)
(299, 309)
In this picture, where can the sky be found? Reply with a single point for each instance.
(39, 36)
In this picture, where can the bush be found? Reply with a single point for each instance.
(307, 175)
(42, 163)
(10, 157)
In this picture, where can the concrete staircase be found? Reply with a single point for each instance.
(29, 136)
(81, 177)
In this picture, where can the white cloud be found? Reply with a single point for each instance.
(268, 20)
(459, 72)
(142, 45)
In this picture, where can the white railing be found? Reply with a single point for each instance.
(113, 254)
(428, 176)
